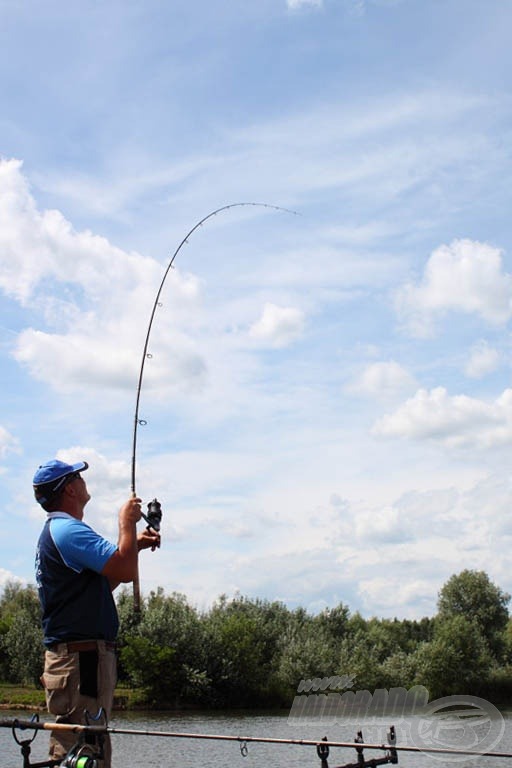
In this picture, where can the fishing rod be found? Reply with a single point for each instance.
(99, 729)
(88, 751)
(154, 515)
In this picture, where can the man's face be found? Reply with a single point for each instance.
(80, 487)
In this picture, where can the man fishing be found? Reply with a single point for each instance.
(76, 572)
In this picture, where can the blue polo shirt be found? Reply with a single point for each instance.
(76, 600)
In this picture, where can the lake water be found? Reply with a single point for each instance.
(132, 751)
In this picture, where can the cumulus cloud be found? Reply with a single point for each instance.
(384, 380)
(465, 276)
(37, 246)
(418, 541)
(278, 326)
(457, 421)
(483, 359)
(107, 481)
(94, 298)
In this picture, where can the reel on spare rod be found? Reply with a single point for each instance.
(77, 757)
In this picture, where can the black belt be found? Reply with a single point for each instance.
(73, 646)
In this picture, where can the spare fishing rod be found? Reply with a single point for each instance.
(87, 752)
(98, 729)
(153, 516)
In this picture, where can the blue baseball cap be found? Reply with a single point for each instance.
(51, 477)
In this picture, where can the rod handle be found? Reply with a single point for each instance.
(136, 582)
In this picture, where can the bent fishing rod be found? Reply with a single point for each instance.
(99, 729)
(154, 514)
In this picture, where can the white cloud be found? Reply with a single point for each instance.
(8, 443)
(382, 524)
(417, 542)
(95, 297)
(7, 576)
(458, 421)
(278, 326)
(108, 483)
(465, 276)
(483, 359)
(404, 591)
(354, 6)
(303, 3)
(384, 380)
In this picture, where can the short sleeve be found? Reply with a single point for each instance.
(79, 546)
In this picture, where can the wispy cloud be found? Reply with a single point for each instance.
(8, 442)
(295, 4)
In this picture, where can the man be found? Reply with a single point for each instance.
(76, 571)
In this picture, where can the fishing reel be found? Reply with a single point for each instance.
(89, 750)
(80, 756)
(153, 516)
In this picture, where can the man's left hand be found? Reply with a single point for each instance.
(147, 539)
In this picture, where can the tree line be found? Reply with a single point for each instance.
(247, 652)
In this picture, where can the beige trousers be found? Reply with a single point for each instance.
(75, 685)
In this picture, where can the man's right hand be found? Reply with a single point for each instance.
(130, 512)
(122, 566)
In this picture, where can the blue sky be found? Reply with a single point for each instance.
(328, 401)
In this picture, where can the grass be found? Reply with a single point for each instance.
(21, 697)
(30, 697)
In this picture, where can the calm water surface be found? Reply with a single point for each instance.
(131, 751)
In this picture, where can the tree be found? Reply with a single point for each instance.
(24, 641)
(169, 634)
(361, 657)
(398, 670)
(241, 638)
(169, 620)
(335, 621)
(21, 636)
(473, 595)
(456, 661)
(305, 653)
(507, 643)
(154, 670)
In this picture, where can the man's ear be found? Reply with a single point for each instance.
(69, 490)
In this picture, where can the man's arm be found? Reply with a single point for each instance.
(145, 539)
(122, 565)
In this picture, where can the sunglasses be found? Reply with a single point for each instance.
(65, 480)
